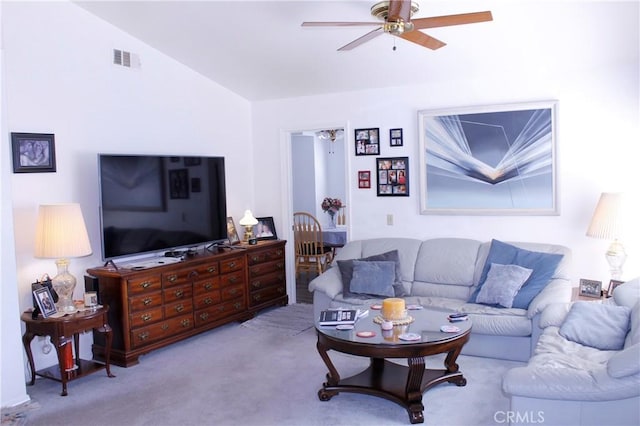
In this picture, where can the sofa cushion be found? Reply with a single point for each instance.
(502, 284)
(597, 325)
(373, 278)
(542, 264)
(346, 271)
(625, 362)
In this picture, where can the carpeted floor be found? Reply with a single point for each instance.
(240, 375)
(287, 321)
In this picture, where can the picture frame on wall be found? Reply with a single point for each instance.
(33, 152)
(590, 288)
(498, 160)
(367, 141)
(265, 229)
(364, 179)
(392, 176)
(232, 232)
(44, 300)
(395, 137)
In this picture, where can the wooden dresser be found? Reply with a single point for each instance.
(156, 307)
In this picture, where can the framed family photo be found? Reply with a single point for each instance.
(232, 232)
(497, 160)
(590, 288)
(367, 141)
(33, 152)
(45, 302)
(395, 137)
(612, 286)
(393, 176)
(364, 179)
(265, 229)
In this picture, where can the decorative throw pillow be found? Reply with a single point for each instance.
(543, 266)
(346, 271)
(373, 278)
(597, 325)
(502, 284)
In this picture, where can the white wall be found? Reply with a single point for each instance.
(58, 78)
(598, 136)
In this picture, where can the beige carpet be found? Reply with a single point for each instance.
(288, 320)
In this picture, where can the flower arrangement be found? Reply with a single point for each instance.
(331, 205)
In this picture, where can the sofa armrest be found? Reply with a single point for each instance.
(554, 314)
(329, 282)
(557, 291)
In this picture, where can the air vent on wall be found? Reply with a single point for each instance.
(126, 59)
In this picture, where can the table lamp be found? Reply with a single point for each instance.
(248, 221)
(607, 223)
(60, 234)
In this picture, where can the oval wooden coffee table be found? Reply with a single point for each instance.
(401, 384)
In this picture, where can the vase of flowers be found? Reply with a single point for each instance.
(331, 206)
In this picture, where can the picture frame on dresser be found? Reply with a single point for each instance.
(612, 286)
(44, 299)
(232, 232)
(590, 288)
(265, 229)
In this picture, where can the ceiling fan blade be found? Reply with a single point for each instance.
(338, 24)
(449, 20)
(357, 42)
(423, 40)
(399, 10)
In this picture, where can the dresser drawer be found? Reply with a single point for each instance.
(145, 317)
(266, 267)
(266, 294)
(205, 286)
(232, 279)
(269, 280)
(230, 265)
(232, 292)
(178, 308)
(145, 301)
(205, 316)
(188, 275)
(177, 293)
(208, 299)
(266, 255)
(144, 284)
(152, 333)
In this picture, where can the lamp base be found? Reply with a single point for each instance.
(616, 256)
(64, 283)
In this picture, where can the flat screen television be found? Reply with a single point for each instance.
(153, 203)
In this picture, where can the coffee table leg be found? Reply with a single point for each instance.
(452, 366)
(333, 378)
(415, 408)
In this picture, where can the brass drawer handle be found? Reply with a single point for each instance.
(185, 322)
(179, 293)
(232, 264)
(165, 326)
(143, 336)
(147, 301)
(145, 284)
(212, 269)
(256, 284)
(233, 279)
(172, 278)
(237, 305)
(208, 301)
(233, 291)
(208, 286)
(146, 317)
(193, 274)
(280, 290)
(204, 316)
(255, 258)
(257, 297)
(179, 308)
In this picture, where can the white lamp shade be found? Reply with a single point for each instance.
(248, 219)
(61, 232)
(607, 221)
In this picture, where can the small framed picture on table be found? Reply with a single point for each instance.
(590, 288)
(612, 286)
(44, 299)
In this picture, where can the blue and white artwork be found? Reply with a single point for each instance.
(499, 161)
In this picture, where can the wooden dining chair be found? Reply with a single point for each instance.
(310, 251)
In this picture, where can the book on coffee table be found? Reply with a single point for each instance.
(339, 317)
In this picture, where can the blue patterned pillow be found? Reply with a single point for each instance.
(373, 278)
(543, 265)
(502, 284)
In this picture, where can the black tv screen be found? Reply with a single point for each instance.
(151, 203)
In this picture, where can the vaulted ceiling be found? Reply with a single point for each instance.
(259, 50)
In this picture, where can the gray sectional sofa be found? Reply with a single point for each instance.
(443, 274)
(586, 366)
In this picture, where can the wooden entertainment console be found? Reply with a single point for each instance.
(155, 307)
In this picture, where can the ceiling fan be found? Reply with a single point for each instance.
(396, 15)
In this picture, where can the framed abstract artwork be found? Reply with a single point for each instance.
(493, 160)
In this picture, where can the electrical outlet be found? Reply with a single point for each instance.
(390, 219)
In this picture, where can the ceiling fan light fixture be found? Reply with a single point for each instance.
(381, 9)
